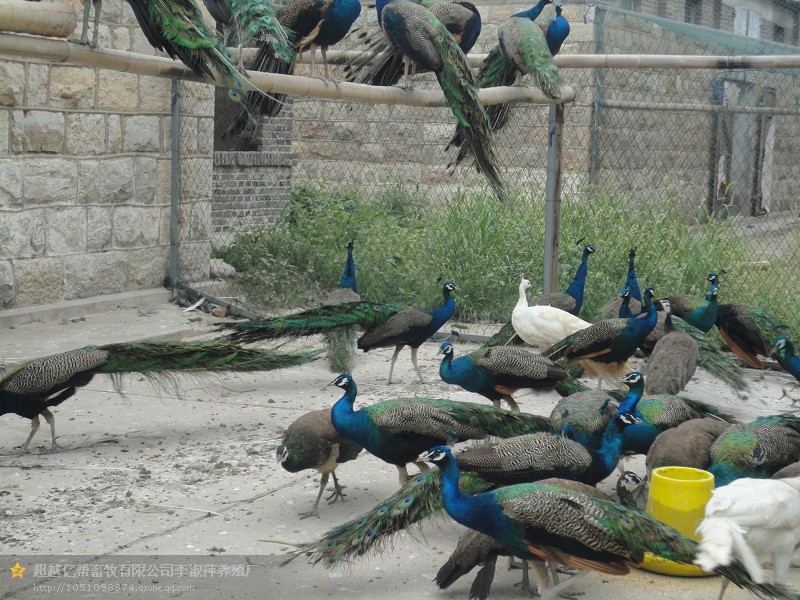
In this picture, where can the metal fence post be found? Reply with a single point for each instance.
(175, 182)
(552, 214)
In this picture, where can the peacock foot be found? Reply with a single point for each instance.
(311, 513)
(336, 494)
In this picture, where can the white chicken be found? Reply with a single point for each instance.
(542, 326)
(747, 519)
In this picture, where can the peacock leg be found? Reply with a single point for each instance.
(84, 39)
(394, 360)
(34, 429)
(97, 5)
(525, 584)
(337, 490)
(314, 512)
(422, 466)
(723, 586)
(556, 590)
(512, 404)
(51, 420)
(414, 362)
(402, 473)
(780, 565)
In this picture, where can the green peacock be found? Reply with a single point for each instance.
(30, 389)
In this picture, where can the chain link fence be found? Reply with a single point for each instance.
(696, 168)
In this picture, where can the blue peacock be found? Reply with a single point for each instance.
(571, 299)
(341, 342)
(427, 43)
(611, 308)
(698, 312)
(783, 350)
(395, 430)
(497, 373)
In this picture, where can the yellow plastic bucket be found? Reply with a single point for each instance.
(678, 497)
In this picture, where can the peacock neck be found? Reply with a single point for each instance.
(354, 425)
(576, 288)
(533, 11)
(442, 314)
(605, 458)
(522, 302)
(632, 281)
(379, 6)
(625, 311)
(631, 399)
(557, 33)
(348, 279)
(446, 367)
(791, 362)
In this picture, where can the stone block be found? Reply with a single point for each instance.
(135, 226)
(194, 261)
(163, 181)
(117, 91)
(108, 181)
(37, 92)
(114, 134)
(188, 139)
(120, 38)
(98, 228)
(140, 43)
(142, 133)
(97, 273)
(144, 180)
(220, 269)
(66, 231)
(39, 280)
(72, 87)
(8, 287)
(196, 178)
(155, 94)
(4, 131)
(197, 99)
(164, 225)
(12, 83)
(166, 134)
(50, 181)
(22, 234)
(205, 137)
(86, 134)
(10, 184)
(37, 131)
(148, 267)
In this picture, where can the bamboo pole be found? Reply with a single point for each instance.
(142, 64)
(53, 19)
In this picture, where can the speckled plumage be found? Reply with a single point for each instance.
(673, 360)
(749, 331)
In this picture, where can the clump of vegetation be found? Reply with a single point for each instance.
(406, 245)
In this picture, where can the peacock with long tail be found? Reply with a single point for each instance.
(386, 324)
(673, 360)
(30, 389)
(312, 442)
(533, 521)
(757, 449)
(531, 40)
(394, 430)
(249, 22)
(783, 351)
(426, 42)
(606, 346)
(380, 63)
(497, 373)
(749, 331)
(341, 343)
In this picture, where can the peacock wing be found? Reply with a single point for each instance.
(42, 374)
(413, 29)
(395, 328)
(512, 364)
(523, 43)
(595, 340)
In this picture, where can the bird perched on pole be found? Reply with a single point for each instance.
(394, 430)
(749, 518)
(29, 390)
(312, 442)
(427, 43)
(497, 373)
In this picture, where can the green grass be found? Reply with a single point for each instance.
(406, 245)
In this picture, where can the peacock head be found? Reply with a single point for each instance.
(350, 245)
(625, 292)
(437, 455)
(281, 454)
(589, 249)
(632, 253)
(649, 293)
(666, 305)
(633, 379)
(344, 381)
(781, 345)
(713, 278)
(446, 348)
(449, 287)
(524, 284)
(626, 419)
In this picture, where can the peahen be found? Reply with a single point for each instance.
(383, 64)
(497, 373)
(341, 342)
(698, 312)
(426, 42)
(757, 449)
(533, 520)
(29, 390)
(687, 445)
(610, 309)
(605, 347)
(386, 324)
(542, 324)
(311, 442)
(674, 358)
(394, 430)
(749, 518)
(783, 351)
(497, 70)
(749, 331)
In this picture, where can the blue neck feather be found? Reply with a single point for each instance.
(442, 314)
(557, 33)
(631, 280)
(354, 425)
(605, 458)
(337, 21)
(534, 11)
(348, 279)
(631, 399)
(379, 6)
(576, 288)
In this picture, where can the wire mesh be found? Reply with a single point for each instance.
(695, 168)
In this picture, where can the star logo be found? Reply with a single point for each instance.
(17, 571)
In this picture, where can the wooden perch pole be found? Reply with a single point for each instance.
(142, 64)
(54, 19)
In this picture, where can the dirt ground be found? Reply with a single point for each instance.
(192, 477)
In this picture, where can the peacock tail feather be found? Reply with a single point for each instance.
(523, 42)
(259, 24)
(711, 358)
(312, 321)
(748, 331)
(418, 499)
(341, 344)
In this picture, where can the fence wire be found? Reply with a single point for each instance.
(695, 168)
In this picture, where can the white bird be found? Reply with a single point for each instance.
(749, 518)
(542, 326)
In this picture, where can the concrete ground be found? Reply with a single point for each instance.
(160, 477)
